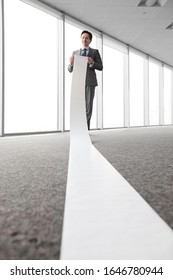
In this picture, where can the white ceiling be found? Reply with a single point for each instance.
(140, 27)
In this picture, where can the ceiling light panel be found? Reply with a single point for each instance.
(152, 3)
(170, 26)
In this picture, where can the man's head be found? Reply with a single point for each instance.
(86, 37)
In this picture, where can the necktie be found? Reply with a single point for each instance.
(84, 51)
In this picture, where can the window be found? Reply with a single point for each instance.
(113, 88)
(136, 90)
(30, 69)
(167, 95)
(33, 99)
(1, 71)
(153, 93)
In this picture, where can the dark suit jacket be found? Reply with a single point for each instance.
(91, 79)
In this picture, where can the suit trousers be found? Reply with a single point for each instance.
(89, 97)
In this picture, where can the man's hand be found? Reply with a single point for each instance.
(90, 60)
(71, 60)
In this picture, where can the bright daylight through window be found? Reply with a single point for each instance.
(30, 69)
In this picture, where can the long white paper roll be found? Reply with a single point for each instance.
(78, 123)
(105, 218)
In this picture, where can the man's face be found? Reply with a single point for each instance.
(85, 39)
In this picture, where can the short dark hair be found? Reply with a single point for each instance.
(89, 33)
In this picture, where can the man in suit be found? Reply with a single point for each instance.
(94, 62)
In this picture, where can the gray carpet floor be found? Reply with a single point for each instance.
(144, 157)
(33, 173)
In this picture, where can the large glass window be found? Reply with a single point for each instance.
(167, 96)
(136, 70)
(72, 43)
(153, 93)
(1, 71)
(33, 67)
(113, 88)
(30, 69)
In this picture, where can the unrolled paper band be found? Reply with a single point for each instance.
(105, 218)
